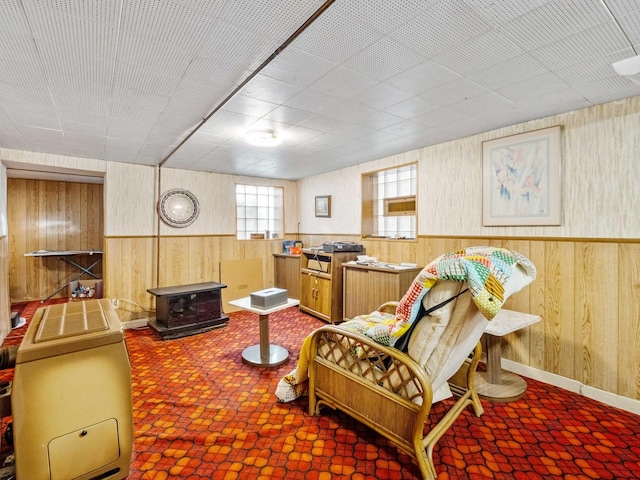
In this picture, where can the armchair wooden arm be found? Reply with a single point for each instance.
(385, 389)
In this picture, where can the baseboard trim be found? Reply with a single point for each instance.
(615, 400)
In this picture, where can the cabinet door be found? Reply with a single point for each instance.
(308, 290)
(323, 296)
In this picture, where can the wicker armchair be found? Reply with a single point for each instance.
(385, 389)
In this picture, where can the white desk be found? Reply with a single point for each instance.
(64, 256)
(264, 354)
(496, 384)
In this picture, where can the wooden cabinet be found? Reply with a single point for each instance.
(188, 309)
(321, 283)
(286, 272)
(367, 287)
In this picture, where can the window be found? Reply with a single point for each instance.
(259, 212)
(389, 208)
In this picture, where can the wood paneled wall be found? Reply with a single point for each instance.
(587, 293)
(50, 215)
(132, 264)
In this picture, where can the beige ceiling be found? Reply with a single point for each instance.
(130, 80)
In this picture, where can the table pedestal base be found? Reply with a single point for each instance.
(511, 387)
(274, 356)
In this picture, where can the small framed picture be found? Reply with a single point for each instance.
(323, 206)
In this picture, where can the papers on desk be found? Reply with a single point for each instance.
(393, 266)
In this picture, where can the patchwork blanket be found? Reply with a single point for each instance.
(485, 269)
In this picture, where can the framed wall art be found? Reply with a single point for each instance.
(521, 179)
(323, 206)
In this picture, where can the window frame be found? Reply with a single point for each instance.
(373, 205)
(265, 226)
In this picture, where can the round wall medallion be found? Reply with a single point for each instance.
(178, 207)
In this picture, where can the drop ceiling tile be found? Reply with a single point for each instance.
(168, 22)
(555, 102)
(532, 88)
(130, 112)
(423, 77)
(145, 52)
(438, 117)
(378, 120)
(488, 49)
(131, 130)
(227, 124)
(405, 128)
(233, 45)
(144, 79)
(608, 89)
(13, 107)
(384, 59)
(12, 18)
(298, 134)
(46, 122)
(249, 106)
(42, 135)
(554, 21)
(383, 15)
(332, 125)
(347, 36)
(442, 26)
(511, 71)
(343, 83)
(24, 93)
(593, 69)
(315, 102)
(481, 103)
(598, 41)
(381, 96)
(276, 19)
(631, 25)
(456, 91)
(497, 13)
(288, 115)
(84, 129)
(137, 99)
(19, 49)
(297, 67)
(412, 107)
(270, 90)
(467, 125)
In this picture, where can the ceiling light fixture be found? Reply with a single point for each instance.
(263, 138)
(629, 67)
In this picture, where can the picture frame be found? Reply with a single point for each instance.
(323, 206)
(521, 179)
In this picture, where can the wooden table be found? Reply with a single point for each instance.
(497, 384)
(264, 354)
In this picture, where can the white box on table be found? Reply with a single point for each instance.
(269, 298)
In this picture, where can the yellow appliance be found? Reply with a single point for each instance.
(71, 395)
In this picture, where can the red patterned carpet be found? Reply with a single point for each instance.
(200, 413)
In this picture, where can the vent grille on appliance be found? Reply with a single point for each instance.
(71, 319)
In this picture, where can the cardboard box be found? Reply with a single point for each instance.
(269, 298)
(76, 286)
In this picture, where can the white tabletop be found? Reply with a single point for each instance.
(507, 321)
(245, 304)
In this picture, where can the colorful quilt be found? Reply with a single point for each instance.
(485, 269)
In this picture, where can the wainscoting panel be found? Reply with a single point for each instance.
(587, 293)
